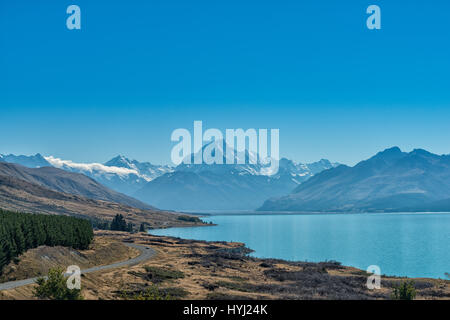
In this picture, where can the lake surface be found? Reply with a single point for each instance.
(402, 244)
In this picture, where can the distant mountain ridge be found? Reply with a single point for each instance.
(120, 174)
(35, 161)
(188, 187)
(67, 182)
(391, 180)
(146, 169)
(208, 187)
(22, 196)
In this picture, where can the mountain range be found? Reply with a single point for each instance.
(68, 182)
(36, 161)
(207, 187)
(187, 187)
(55, 191)
(120, 174)
(391, 180)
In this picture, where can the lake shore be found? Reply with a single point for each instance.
(401, 244)
(191, 269)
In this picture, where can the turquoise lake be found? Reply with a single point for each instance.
(401, 244)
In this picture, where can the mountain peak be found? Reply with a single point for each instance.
(121, 158)
(34, 161)
(390, 181)
(390, 154)
(392, 150)
(324, 161)
(217, 149)
(118, 161)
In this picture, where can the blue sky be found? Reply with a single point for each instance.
(137, 70)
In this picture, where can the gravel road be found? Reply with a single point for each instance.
(146, 254)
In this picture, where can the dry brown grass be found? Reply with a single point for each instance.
(38, 261)
(217, 270)
(21, 196)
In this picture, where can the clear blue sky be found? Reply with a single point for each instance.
(139, 69)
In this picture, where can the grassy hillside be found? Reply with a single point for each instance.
(19, 195)
(67, 182)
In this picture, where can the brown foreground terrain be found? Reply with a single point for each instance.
(186, 269)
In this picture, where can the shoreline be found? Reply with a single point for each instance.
(211, 215)
(299, 213)
(218, 270)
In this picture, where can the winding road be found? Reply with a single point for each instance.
(146, 254)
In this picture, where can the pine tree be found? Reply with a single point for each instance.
(22, 231)
(130, 227)
(119, 223)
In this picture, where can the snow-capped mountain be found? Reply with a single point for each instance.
(298, 171)
(36, 161)
(147, 170)
(189, 186)
(120, 174)
(207, 187)
(217, 150)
